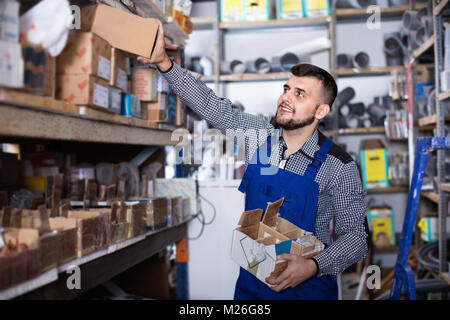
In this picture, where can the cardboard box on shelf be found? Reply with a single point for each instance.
(179, 187)
(290, 9)
(115, 100)
(9, 20)
(257, 10)
(163, 85)
(49, 249)
(68, 236)
(429, 226)
(186, 208)
(11, 64)
(162, 212)
(92, 231)
(137, 218)
(40, 70)
(119, 69)
(130, 105)
(381, 222)
(177, 210)
(316, 8)
(82, 89)
(374, 163)
(179, 118)
(155, 111)
(231, 10)
(19, 257)
(133, 34)
(144, 82)
(85, 53)
(256, 244)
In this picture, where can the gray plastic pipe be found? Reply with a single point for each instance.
(345, 95)
(357, 109)
(235, 66)
(411, 21)
(393, 49)
(361, 60)
(288, 60)
(344, 60)
(354, 3)
(259, 65)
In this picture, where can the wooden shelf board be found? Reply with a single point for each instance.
(440, 7)
(372, 130)
(444, 95)
(445, 187)
(369, 71)
(29, 285)
(430, 121)
(355, 13)
(391, 189)
(273, 23)
(430, 196)
(255, 77)
(423, 48)
(445, 277)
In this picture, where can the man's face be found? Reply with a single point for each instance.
(299, 102)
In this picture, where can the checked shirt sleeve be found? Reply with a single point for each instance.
(349, 210)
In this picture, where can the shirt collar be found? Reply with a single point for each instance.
(311, 145)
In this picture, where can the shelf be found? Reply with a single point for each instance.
(438, 9)
(445, 187)
(274, 23)
(203, 23)
(369, 71)
(359, 13)
(430, 196)
(420, 51)
(373, 130)
(429, 122)
(444, 95)
(445, 277)
(97, 267)
(29, 116)
(255, 77)
(392, 189)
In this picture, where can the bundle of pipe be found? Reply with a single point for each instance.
(377, 112)
(284, 62)
(418, 26)
(234, 66)
(259, 65)
(344, 60)
(393, 49)
(361, 60)
(345, 4)
(345, 96)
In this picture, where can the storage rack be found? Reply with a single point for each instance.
(27, 117)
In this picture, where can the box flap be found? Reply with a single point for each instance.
(271, 214)
(251, 217)
(372, 144)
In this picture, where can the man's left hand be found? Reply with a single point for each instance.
(298, 270)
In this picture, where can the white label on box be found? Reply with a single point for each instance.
(101, 95)
(121, 80)
(104, 68)
(9, 20)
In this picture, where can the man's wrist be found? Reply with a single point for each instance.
(317, 270)
(166, 65)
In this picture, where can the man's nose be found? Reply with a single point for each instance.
(287, 97)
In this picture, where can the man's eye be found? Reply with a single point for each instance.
(300, 94)
(285, 90)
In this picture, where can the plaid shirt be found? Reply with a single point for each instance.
(341, 195)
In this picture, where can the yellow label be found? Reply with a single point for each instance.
(253, 4)
(375, 165)
(316, 4)
(422, 225)
(233, 5)
(381, 226)
(291, 5)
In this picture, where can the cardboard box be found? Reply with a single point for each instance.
(9, 20)
(381, 222)
(40, 70)
(290, 9)
(231, 10)
(130, 105)
(144, 84)
(119, 69)
(155, 111)
(180, 112)
(256, 243)
(49, 250)
(257, 10)
(133, 34)
(68, 236)
(11, 64)
(429, 227)
(83, 89)
(316, 8)
(92, 231)
(115, 100)
(162, 211)
(85, 53)
(17, 266)
(179, 187)
(177, 210)
(374, 163)
(137, 218)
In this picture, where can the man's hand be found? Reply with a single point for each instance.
(159, 55)
(298, 270)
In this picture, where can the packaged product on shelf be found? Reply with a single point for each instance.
(381, 221)
(177, 210)
(68, 237)
(19, 256)
(179, 118)
(92, 231)
(257, 10)
(156, 219)
(119, 69)
(130, 105)
(163, 85)
(155, 111)
(82, 89)
(231, 10)
(256, 244)
(162, 209)
(9, 20)
(85, 53)
(429, 226)
(374, 163)
(316, 8)
(179, 187)
(115, 99)
(290, 9)
(136, 216)
(186, 208)
(118, 229)
(133, 34)
(11, 64)
(40, 69)
(145, 83)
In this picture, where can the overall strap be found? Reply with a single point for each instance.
(319, 158)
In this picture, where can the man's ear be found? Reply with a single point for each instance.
(322, 111)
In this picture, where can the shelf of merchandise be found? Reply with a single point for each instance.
(372, 71)
(362, 13)
(97, 267)
(273, 23)
(391, 189)
(350, 131)
(430, 122)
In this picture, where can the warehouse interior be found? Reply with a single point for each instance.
(113, 188)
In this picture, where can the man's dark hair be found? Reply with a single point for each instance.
(329, 86)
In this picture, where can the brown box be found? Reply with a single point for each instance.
(93, 231)
(179, 118)
(49, 250)
(155, 111)
(144, 84)
(119, 69)
(83, 89)
(177, 210)
(163, 207)
(156, 219)
(122, 30)
(19, 266)
(85, 53)
(40, 70)
(137, 216)
(68, 235)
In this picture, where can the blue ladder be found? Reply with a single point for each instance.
(403, 273)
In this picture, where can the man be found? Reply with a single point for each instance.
(318, 180)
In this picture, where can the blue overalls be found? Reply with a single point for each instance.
(299, 207)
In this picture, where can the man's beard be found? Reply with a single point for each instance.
(292, 124)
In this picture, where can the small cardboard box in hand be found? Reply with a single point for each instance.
(256, 243)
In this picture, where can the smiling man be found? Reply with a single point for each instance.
(318, 180)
